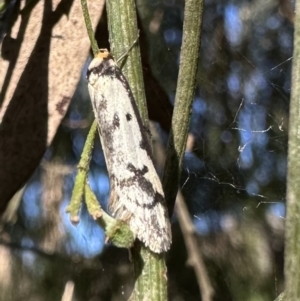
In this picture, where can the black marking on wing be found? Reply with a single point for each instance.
(110, 71)
(137, 171)
(100, 104)
(139, 180)
(101, 69)
(116, 121)
(119, 75)
(128, 117)
(106, 132)
(107, 135)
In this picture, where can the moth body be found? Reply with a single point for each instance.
(136, 194)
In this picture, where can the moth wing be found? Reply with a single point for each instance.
(136, 192)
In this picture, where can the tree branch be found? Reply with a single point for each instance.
(184, 98)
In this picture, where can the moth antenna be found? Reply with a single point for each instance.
(129, 49)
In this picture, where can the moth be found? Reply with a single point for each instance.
(136, 194)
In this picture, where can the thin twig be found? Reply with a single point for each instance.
(89, 27)
(194, 254)
(80, 180)
(117, 231)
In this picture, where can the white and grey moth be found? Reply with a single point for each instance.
(136, 194)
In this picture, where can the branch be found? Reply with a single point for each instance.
(81, 177)
(89, 27)
(150, 269)
(195, 259)
(117, 231)
(292, 224)
(184, 98)
(151, 272)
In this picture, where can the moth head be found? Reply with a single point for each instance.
(99, 64)
(104, 54)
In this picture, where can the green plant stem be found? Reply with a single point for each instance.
(150, 268)
(186, 85)
(81, 177)
(89, 27)
(117, 231)
(292, 223)
(152, 275)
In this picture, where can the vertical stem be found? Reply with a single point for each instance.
(151, 272)
(89, 27)
(186, 85)
(150, 269)
(292, 225)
